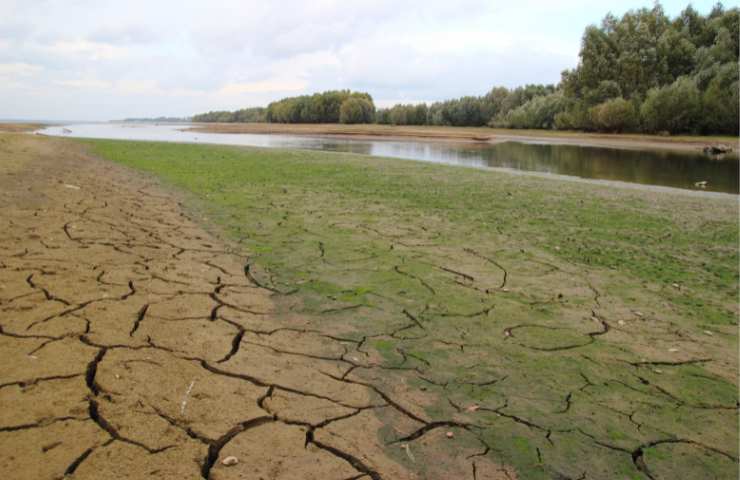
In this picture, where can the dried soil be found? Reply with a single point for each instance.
(135, 346)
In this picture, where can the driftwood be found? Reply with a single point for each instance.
(717, 149)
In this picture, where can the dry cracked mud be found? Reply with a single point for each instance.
(136, 345)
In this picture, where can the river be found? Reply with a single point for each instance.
(660, 168)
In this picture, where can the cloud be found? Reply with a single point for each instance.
(10, 70)
(269, 86)
(86, 49)
(18, 76)
(109, 59)
(84, 83)
(126, 35)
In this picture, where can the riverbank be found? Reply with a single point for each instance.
(476, 134)
(557, 328)
(20, 127)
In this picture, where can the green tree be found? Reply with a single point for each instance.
(720, 101)
(673, 75)
(576, 116)
(615, 115)
(675, 108)
(540, 112)
(317, 108)
(382, 116)
(356, 110)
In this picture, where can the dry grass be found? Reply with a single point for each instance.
(19, 127)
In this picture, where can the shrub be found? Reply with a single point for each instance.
(675, 108)
(539, 112)
(615, 115)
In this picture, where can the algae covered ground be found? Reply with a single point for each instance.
(566, 329)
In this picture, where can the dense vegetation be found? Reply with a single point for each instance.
(678, 75)
(466, 111)
(158, 119)
(254, 114)
(641, 72)
(334, 106)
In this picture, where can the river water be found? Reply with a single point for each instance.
(660, 168)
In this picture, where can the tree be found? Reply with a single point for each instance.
(646, 57)
(245, 115)
(317, 108)
(356, 110)
(605, 90)
(675, 108)
(615, 115)
(540, 112)
(576, 116)
(720, 101)
(642, 70)
(382, 116)
(399, 115)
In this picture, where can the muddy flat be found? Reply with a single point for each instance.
(168, 307)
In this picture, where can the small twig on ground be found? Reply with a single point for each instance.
(185, 398)
(407, 448)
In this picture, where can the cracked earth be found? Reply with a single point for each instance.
(136, 345)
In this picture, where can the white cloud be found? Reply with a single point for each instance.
(89, 83)
(111, 59)
(268, 86)
(86, 49)
(19, 69)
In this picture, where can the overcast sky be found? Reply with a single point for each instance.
(100, 59)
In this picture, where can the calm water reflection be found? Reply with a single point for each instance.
(647, 167)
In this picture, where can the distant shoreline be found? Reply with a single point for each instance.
(20, 127)
(481, 135)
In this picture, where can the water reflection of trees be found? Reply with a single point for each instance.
(653, 167)
(677, 169)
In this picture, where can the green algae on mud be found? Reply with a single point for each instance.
(574, 328)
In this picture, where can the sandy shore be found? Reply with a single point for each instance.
(481, 135)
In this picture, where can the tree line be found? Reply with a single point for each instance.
(334, 106)
(643, 72)
(245, 115)
(489, 109)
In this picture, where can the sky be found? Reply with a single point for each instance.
(103, 60)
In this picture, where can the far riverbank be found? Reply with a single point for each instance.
(476, 134)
